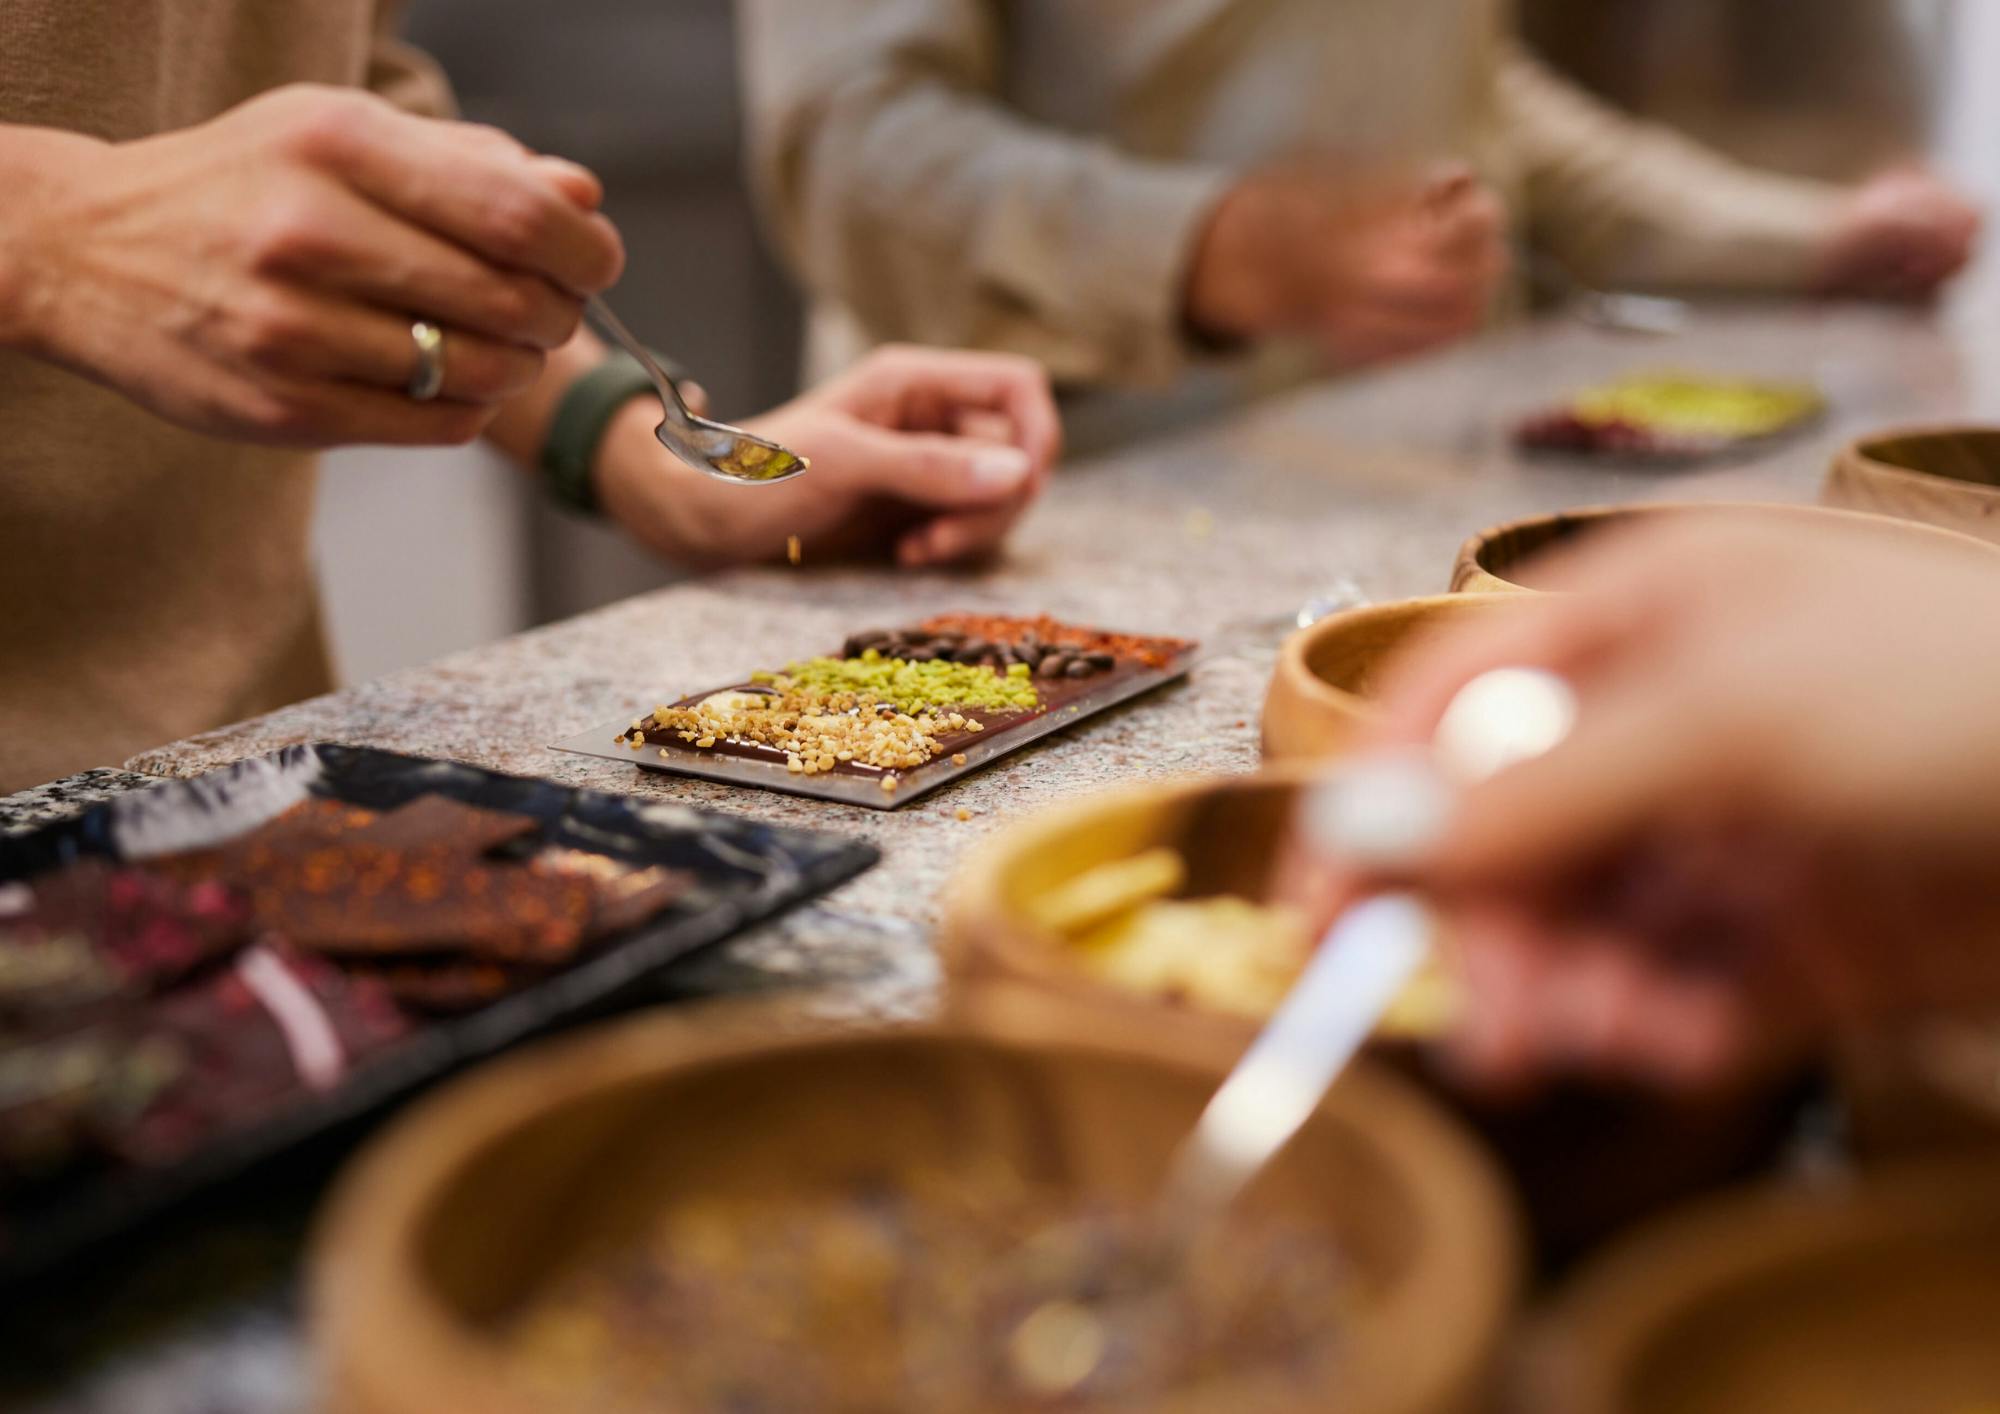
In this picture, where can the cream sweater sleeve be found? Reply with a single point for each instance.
(1626, 202)
(900, 187)
(404, 74)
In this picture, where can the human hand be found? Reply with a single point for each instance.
(925, 454)
(1901, 234)
(1370, 270)
(1775, 818)
(256, 276)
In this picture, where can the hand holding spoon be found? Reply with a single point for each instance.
(1380, 813)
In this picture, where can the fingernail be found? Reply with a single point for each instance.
(580, 182)
(1000, 467)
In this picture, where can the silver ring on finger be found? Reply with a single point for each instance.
(427, 379)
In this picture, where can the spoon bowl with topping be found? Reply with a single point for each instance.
(714, 448)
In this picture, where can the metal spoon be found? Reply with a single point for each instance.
(1619, 310)
(724, 452)
(1379, 812)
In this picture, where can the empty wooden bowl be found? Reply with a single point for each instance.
(1884, 1295)
(1948, 476)
(1322, 693)
(482, 1195)
(1503, 559)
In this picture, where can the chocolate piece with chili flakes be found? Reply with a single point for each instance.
(367, 899)
(337, 879)
(318, 824)
(443, 984)
(438, 819)
(94, 933)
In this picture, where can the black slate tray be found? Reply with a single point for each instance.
(746, 872)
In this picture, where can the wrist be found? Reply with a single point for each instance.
(645, 488)
(40, 168)
(1231, 287)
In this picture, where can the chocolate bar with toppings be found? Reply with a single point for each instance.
(898, 712)
(1669, 418)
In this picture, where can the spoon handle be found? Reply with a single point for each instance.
(670, 393)
(1360, 967)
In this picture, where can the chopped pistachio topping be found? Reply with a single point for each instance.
(911, 686)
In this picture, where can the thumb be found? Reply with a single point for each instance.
(931, 469)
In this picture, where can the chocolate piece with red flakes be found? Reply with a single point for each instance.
(151, 1081)
(252, 1038)
(94, 933)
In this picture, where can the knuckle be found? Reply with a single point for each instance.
(495, 140)
(893, 356)
(509, 306)
(288, 231)
(323, 125)
(272, 330)
(517, 222)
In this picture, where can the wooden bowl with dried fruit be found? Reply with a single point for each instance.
(1162, 903)
(1158, 895)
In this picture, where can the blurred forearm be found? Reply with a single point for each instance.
(900, 188)
(1626, 202)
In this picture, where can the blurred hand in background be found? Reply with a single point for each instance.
(1900, 235)
(1369, 269)
(1777, 815)
(924, 455)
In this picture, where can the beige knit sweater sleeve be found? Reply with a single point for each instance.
(1626, 202)
(901, 189)
(404, 74)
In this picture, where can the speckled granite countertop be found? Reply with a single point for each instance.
(1217, 535)
(1365, 486)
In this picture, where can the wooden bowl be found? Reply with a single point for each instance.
(480, 1195)
(1502, 559)
(1883, 1296)
(1945, 476)
(1585, 1159)
(1228, 830)
(1322, 692)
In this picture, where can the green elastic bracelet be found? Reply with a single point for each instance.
(586, 409)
